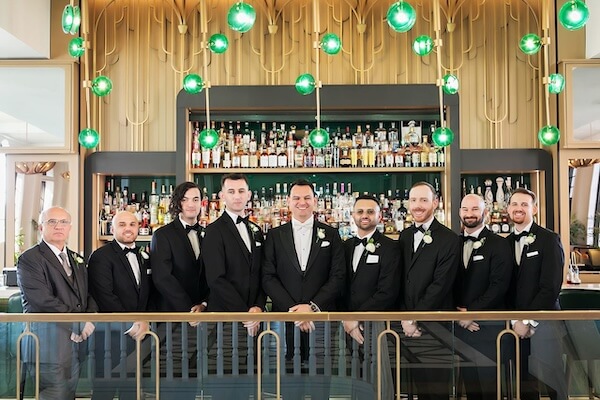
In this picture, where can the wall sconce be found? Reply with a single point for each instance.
(305, 84)
(193, 83)
(331, 44)
(218, 43)
(89, 138)
(423, 45)
(101, 86)
(71, 19)
(34, 167)
(530, 44)
(76, 47)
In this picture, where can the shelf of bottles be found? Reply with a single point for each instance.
(146, 197)
(495, 191)
(261, 146)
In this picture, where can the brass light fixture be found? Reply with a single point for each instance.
(582, 162)
(34, 167)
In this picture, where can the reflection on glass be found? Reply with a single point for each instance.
(586, 97)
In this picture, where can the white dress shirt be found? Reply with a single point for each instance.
(193, 236)
(519, 244)
(242, 229)
(302, 232)
(468, 246)
(419, 235)
(359, 250)
(133, 260)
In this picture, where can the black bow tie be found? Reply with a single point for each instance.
(241, 219)
(128, 250)
(362, 241)
(520, 235)
(419, 228)
(195, 227)
(471, 238)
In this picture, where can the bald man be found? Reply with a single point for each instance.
(53, 279)
(119, 282)
(481, 284)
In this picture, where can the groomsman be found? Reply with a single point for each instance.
(119, 282)
(232, 255)
(303, 267)
(536, 282)
(481, 284)
(430, 258)
(372, 274)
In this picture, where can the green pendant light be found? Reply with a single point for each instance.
(331, 44)
(401, 16)
(71, 19)
(442, 136)
(89, 138)
(574, 14)
(76, 47)
(193, 83)
(101, 86)
(530, 44)
(209, 138)
(450, 84)
(305, 84)
(318, 138)
(423, 45)
(241, 17)
(218, 43)
(549, 135)
(556, 83)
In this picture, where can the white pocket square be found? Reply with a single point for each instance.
(148, 271)
(258, 244)
(533, 253)
(372, 259)
(477, 257)
(325, 243)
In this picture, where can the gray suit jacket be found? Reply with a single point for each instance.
(46, 288)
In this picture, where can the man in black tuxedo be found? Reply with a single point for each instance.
(481, 284)
(430, 258)
(232, 255)
(536, 282)
(303, 267)
(119, 282)
(372, 274)
(178, 273)
(53, 279)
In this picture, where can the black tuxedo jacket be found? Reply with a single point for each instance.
(46, 288)
(232, 272)
(112, 282)
(482, 284)
(374, 285)
(179, 278)
(428, 275)
(536, 282)
(322, 282)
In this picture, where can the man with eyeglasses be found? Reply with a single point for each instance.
(53, 279)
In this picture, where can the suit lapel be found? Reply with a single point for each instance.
(49, 255)
(126, 265)
(363, 256)
(231, 226)
(287, 239)
(78, 276)
(315, 246)
(185, 239)
(432, 228)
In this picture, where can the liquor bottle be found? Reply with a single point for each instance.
(508, 191)
(244, 155)
(205, 157)
(298, 155)
(196, 155)
(154, 202)
(273, 157)
(393, 137)
(264, 156)
(500, 192)
(425, 149)
(439, 212)
(216, 156)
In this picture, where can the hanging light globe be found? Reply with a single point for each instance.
(556, 83)
(423, 45)
(549, 135)
(442, 136)
(71, 19)
(318, 138)
(101, 85)
(331, 44)
(209, 138)
(450, 84)
(89, 138)
(305, 84)
(193, 83)
(76, 47)
(218, 43)
(530, 44)
(401, 16)
(241, 17)
(573, 15)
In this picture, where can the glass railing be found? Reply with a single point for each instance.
(218, 359)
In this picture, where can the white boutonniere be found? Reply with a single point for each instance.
(321, 233)
(143, 254)
(529, 239)
(427, 239)
(372, 246)
(78, 259)
(478, 244)
(202, 234)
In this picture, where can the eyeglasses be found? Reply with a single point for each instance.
(57, 222)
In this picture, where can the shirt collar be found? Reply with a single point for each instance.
(185, 224)
(233, 215)
(527, 228)
(474, 234)
(426, 225)
(56, 250)
(306, 224)
(368, 235)
(124, 246)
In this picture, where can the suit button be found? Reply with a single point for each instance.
(78, 305)
(408, 281)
